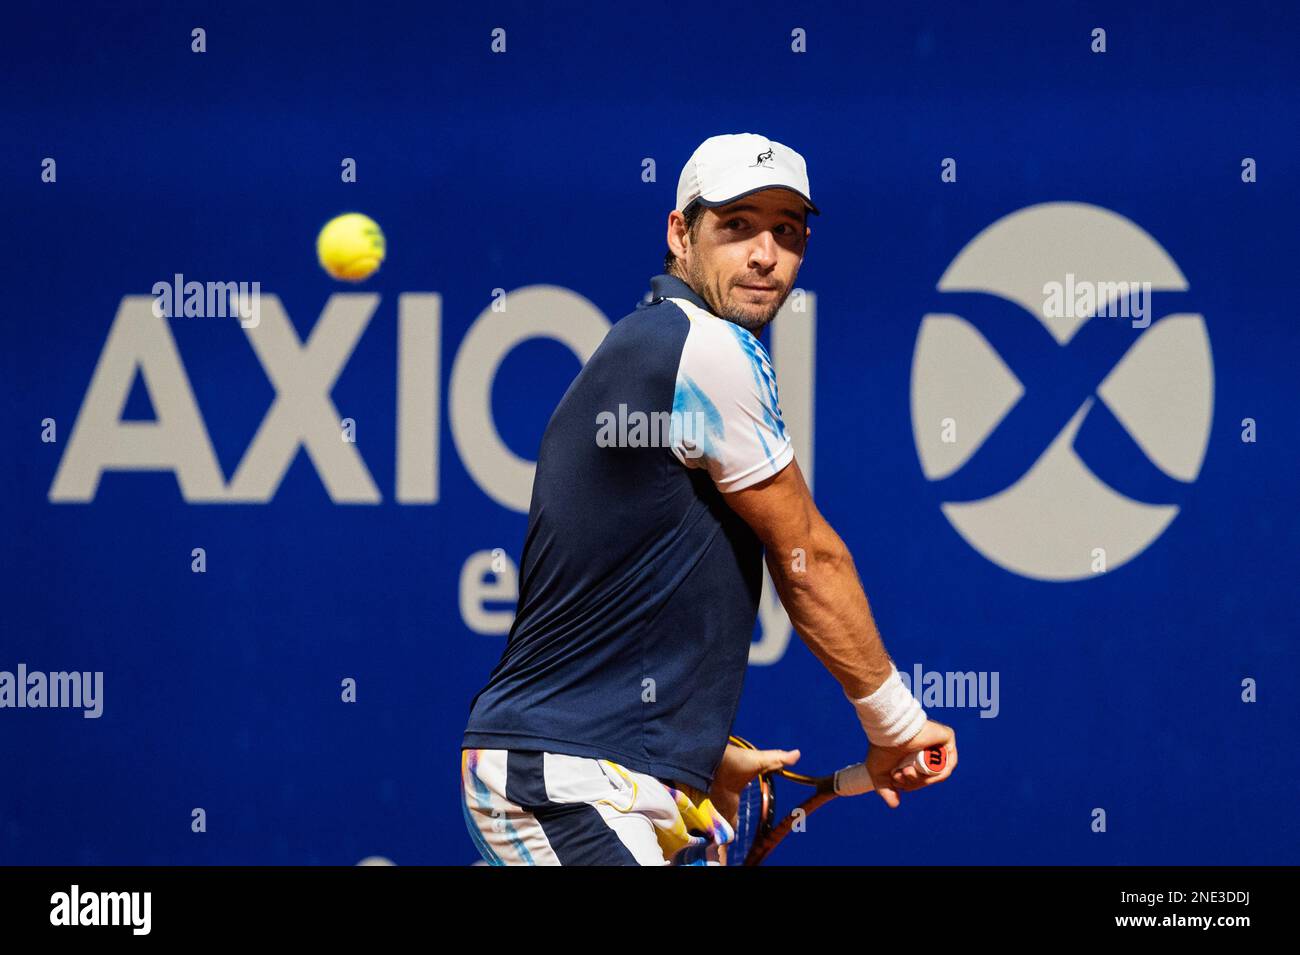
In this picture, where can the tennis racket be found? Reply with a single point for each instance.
(759, 828)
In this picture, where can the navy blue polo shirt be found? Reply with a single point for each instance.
(640, 586)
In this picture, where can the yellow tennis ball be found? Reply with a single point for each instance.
(350, 247)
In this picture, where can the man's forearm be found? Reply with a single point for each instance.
(819, 586)
(823, 596)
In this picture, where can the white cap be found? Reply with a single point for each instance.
(724, 168)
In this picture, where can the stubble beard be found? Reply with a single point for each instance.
(747, 320)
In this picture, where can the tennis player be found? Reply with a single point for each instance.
(663, 476)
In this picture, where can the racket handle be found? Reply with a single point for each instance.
(855, 780)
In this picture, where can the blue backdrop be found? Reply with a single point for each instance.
(487, 171)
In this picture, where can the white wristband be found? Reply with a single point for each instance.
(891, 715)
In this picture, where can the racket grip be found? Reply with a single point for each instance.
(855, 780)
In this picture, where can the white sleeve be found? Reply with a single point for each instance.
(726, 413)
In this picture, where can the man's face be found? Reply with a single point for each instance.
(745, 258)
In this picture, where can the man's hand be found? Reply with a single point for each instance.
(738, 767)
(882, 762)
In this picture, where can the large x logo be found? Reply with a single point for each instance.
(1057, 380)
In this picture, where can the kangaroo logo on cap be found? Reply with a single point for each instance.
(763, 159)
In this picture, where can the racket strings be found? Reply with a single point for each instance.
(749, 822)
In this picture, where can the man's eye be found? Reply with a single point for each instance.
(735, 223)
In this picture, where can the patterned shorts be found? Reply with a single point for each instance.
(533, 808)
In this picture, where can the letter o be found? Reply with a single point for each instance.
(535, 311)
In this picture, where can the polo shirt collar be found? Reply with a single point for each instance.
(670, 286)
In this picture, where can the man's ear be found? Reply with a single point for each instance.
(676, 228)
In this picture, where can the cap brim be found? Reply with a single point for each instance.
(714, 203)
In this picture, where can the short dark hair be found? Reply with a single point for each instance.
(694, 215)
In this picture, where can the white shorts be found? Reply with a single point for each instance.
(533, 808)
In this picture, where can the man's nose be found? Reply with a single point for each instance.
(763, 251)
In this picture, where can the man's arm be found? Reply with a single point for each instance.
(819, 587)
(725, 379)
(816, 580)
